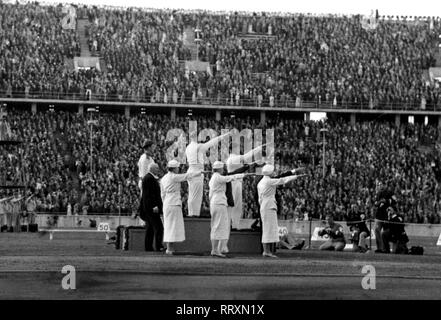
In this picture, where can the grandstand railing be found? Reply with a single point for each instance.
(223, 101)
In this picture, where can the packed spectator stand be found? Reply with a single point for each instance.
(292, 58)
(57, 161)
(269, 59)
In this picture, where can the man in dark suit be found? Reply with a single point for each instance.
(151, 209)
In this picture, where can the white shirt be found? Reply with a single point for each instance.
(195, 159)
(195, 152)
(171, 188)
(144, 164)
(266, 190)
(233, 162)
(218, 187)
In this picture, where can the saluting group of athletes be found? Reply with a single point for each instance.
(163, 196)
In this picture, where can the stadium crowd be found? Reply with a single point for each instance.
(57, 160)
(292, 58)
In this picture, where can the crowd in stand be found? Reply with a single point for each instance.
(258, 59)
(57, 162)
(33, 47)
(330, 60)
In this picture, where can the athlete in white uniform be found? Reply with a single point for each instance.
(234, 162)
(195, 159)
(266, 189)
(174, 230)
(220, 224)
(145, 161)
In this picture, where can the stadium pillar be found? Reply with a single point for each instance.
(397, 120)
(218, 115)
(34, 108)
(307, 116)
(353, 119)
(80, 109)
(127, 112)
(173, 114)
(262, 117)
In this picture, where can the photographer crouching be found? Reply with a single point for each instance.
(394, 232)
(334, 231)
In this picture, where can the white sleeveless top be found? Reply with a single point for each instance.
(195, 159)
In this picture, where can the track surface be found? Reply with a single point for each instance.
(30, 268)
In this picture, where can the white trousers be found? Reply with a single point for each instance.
(195, 192)
(220, 224)
(270, 227)
(174, 230)
(236, 211)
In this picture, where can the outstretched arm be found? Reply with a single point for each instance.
(185, 176)
(6, 199)
(17, 199)
(226, 179)
(248, 157)
(285, 174)
(290, 173)
(242, 169)
(285, 180)
(203, 147)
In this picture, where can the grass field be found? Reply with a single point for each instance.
(31, 264)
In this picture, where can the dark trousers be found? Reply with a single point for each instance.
(398, 245)
(154, 233)
(386, 238)
(379, 229)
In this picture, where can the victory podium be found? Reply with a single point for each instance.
(197, 238)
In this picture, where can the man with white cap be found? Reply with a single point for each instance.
(266, 189)
(174, 230)
(195, 158)
(220, 223)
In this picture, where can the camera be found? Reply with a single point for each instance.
(324, 232)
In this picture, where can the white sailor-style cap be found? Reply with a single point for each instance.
(173, 164)
(218, 165)
(267, 170)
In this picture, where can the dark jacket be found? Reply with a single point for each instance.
(151, 196)
(354, 220)
(397, 232)
(384, 201)
(335, 232)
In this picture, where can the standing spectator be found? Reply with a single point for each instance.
(151, 209)
(146, 160)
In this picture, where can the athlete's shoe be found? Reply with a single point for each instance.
(269, 255)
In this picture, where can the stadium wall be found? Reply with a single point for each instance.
(295, 227)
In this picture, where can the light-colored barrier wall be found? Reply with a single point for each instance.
(295, 227)
(83, 221)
